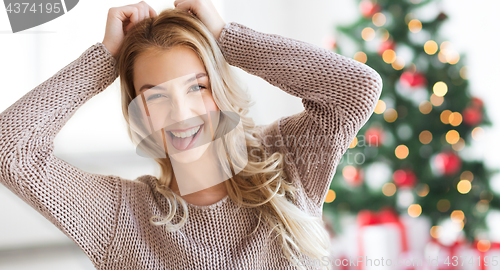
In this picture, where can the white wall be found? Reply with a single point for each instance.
(95, 138)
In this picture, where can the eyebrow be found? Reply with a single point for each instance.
(149, 86)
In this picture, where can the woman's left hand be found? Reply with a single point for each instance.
(206, 12)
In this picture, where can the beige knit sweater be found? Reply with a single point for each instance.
(107, 216)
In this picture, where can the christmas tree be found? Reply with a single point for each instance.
(409, 155)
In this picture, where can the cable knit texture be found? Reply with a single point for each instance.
(108, 216)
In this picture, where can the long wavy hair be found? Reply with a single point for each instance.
(262, 184)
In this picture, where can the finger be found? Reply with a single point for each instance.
(134, 18)
(124, 13)
(186, 5)
(140, 11)
(145, 10)
(182, 4)
(176, 2)
(152, 12)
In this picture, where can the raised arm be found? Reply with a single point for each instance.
(82, 205)
(338, 93)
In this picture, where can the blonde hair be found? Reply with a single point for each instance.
(262, 183)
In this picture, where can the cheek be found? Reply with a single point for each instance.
(209, 102)
(210, 106)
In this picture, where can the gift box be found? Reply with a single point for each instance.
(382, 241)
(439, 256)
(482, 256)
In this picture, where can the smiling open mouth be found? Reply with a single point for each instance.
(184, 140)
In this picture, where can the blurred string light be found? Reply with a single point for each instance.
(361, 57)
(390, 115)
(399, 63)
(445, 116)
(483, 245)
(477, 133)
(389, 189)
(414, 210)
(455, 119)
(380, 107)
(425, 107)
(457, 216)
(435, 231)
(436, 100)
(354, 143)
(452, 136)
(368, 33)
(425, 137)
(423, 190)
(379, 19)
(452, 118)
(330, 196)
(430, 47)
(401, 151)
(440, 89)
(447, 54)
(464, 186)
(467, 175)
(463, 72)
(389, 56)
(415, 26)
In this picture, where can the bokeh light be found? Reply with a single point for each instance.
(389, 189)
(401, 151)
(389, 56)
(330, 196)
(452, 136)
(368, 33)
(440, 89)
(390, 115)
(425, 137)
(380, 107)
(414, 210)
(361, 57)
(430, 47)
(464, 186)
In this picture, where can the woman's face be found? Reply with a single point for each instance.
(174, 88)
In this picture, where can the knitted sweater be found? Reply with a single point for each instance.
(108, 216)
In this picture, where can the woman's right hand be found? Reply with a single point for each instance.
(120, 20)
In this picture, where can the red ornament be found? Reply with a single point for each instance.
(386, 45)
(413, 79)
(368, 8)
(472, 116)
(374, 136)
(352, 176)
(404, 178)
(448, 163)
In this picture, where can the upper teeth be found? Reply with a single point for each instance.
(187, 133)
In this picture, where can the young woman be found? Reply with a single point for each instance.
(265, 216)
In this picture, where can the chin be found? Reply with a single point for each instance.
(190, 155)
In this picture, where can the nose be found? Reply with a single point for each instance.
(180, 112)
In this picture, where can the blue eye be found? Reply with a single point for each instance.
(154, 96)
(196, 87)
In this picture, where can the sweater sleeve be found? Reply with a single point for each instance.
(82, 205)
(338, 93)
